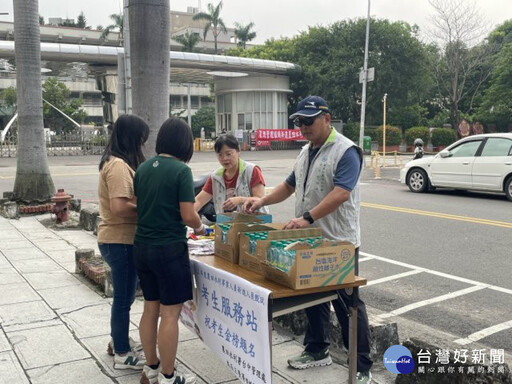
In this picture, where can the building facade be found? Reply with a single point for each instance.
(247, 93)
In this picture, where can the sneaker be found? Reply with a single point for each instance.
(310, 359)
(176, 379)
(363, 377)
(130, 360)
(149, 375)
(135, 346)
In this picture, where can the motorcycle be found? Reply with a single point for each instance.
(208, 210)
(418, 149)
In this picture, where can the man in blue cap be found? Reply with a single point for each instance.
(325, 180)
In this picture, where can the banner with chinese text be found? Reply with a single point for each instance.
(230, 315)
(279, 134)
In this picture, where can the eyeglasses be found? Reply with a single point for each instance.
(307, 121)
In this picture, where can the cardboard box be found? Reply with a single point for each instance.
(226, 244)
(238, 216)
(254, 261)
(319, 265)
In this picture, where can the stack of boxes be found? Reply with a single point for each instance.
(297, 258)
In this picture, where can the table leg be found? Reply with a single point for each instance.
(352, 340)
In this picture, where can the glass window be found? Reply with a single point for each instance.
(263, 121)
(220, 104)
(240, 101)
(205, 101)
(228, 105)
(257, 101)
(268, 98)
(270, 121)
(175, 101)
(194, 102)
(257, 121)
(248, 121)
(497, 147)
(466, 149)
(241, 121)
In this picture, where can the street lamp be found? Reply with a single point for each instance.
(384, 130)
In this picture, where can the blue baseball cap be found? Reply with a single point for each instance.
(311, 106)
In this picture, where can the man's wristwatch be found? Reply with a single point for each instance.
(307, 216)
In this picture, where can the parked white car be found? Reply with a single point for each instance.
(479, 162)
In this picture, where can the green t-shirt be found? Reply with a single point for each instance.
(160, 184)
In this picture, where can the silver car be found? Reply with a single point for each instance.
(479, 162)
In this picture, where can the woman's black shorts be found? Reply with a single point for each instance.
(164, 272)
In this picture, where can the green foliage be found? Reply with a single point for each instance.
(408, 116)
(56, 93)
(330, 59)
(203, 118)
(213, 21)
(117, 18)
(188, 41)
(351, 130)
(440, 119)
(244, 34)
(80, 21)
(496, 107)
(443, 136)
(413, 133)
(8, 96)
(393, 135)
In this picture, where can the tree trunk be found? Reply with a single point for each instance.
(149, 30)
(33, 180)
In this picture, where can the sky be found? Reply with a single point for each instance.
(275, 18)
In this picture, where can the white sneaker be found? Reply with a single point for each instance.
(129, 360)
(149, 375)
(134, 345)
(364, 378)
(176, 379)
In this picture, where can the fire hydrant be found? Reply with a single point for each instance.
(61, 207)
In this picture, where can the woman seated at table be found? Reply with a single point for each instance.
(233, 182)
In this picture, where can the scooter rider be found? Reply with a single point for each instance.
(418, 149)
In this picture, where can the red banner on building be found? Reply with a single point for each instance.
(278, 135)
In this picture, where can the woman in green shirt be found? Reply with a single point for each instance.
(165, 204)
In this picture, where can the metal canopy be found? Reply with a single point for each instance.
(186, 67)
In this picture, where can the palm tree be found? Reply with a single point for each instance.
(188, 41)
(150, 64)
(213, 22)
(117, 18)
(33, 181)
(244, 34)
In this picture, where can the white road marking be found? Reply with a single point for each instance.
(485, 332)
(393, 277)
(433, 300)
(436, 273)
(475, 286)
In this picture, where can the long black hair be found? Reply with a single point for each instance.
(129, 133)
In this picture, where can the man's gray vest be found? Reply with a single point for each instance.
(343, 223)
(243, 185)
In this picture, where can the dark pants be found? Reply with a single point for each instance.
(124, 281)
(317, 333)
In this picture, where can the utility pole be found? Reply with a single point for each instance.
(365, 78)
(127, 63)
(384, 130)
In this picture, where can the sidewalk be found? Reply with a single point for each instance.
(55, 324)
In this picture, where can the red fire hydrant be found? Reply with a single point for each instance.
(61, 207)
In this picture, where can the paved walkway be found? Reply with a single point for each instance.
(54, 324)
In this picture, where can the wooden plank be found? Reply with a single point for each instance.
(278, 291)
